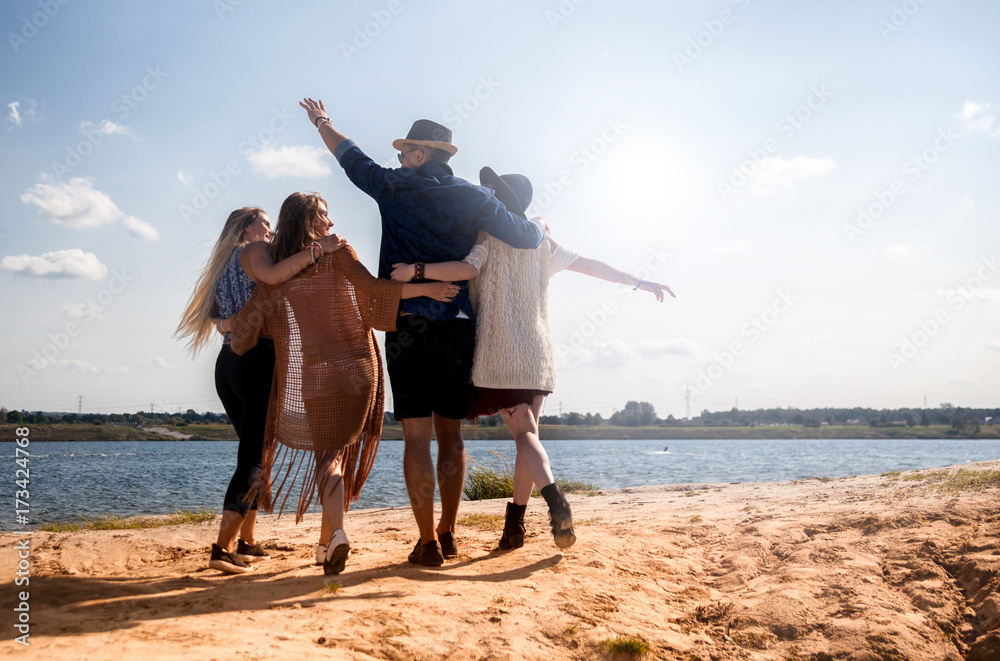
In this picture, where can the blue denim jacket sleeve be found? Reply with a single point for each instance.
(363, 172)
(495, 219)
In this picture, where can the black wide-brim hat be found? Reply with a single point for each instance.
(426, 133)
(514, 190)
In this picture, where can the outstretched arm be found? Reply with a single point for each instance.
(257, 263)
(443, 271)
(595, 268)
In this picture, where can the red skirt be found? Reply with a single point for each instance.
(488, 401)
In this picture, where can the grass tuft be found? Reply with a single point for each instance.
(333, 587)
(627, 645)
(115, 522)
(495, 479)
(483, 521)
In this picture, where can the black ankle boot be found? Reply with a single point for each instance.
(560, 516)
(513, 528)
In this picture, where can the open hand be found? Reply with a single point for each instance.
(656, 289)
(316, 109)
(332, 243)
(441, 291)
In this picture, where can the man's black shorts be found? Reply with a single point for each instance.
(430, 362)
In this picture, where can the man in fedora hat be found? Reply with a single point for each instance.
(428, 215)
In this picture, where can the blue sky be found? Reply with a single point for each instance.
(816, 182)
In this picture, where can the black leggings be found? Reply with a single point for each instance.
(244, 386)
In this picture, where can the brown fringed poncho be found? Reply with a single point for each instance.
(328, 392)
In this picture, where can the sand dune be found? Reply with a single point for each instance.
(873, 568)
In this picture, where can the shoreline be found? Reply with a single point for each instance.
(870, 567)
(83, 432)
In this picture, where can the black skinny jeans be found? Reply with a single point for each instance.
(244, 386)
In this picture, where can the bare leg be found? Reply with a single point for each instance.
(418, 471)
(532, 463)
(331, 485)
(324, 532)
(450, 470)
(249, 528)
(228, 529)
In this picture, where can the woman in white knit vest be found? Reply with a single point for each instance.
(514, 366)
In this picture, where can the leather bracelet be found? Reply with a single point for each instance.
(322, 119)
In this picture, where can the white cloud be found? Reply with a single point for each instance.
(90, 368)
(731, 249)
(903, 251)
(76, 203)
(184, 178)
(299, 161)
(657, 347)
(22, 111)
(59, 264)
(994, 345)
(611, 355)
(15, 116)
(140, 228)
(159, 361)
(107, 127)
(776, 175)
(979, 117)
(83, 310)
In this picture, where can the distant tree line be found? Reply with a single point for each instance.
(141, 418)
(634, 414)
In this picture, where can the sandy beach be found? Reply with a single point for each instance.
(897, 566)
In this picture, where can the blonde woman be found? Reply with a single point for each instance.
(238, 261)
(325, 420)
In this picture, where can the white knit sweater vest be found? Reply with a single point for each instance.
(511, 295)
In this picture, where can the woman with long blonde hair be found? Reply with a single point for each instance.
(238, 261)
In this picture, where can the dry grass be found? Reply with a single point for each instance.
(115, 522)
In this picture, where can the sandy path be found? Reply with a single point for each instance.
(877, 567)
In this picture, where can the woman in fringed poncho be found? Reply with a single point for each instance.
(325, 414)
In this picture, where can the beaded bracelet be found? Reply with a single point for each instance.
(418, 271)
(318, 246)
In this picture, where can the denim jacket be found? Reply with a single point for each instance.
(430, 215)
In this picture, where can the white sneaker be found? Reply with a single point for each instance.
(320, 554)
(338, 550)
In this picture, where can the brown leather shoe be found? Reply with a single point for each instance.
(427, 555)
